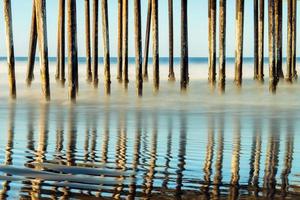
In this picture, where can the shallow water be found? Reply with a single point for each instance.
(168, 145)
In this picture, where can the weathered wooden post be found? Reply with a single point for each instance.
(155, 47)
(184, 46)
(10, 47)
(212, 11)
(278, 37)
(171, 42)
(138, 47)
(43, 45)
(260, 75)
(289, 41)
(106, 57)
(255, 28)
(32, 46)
(222, 45)
(125, 43)
(72, 49)
(272, 66)
(294, 39)
(147, 41)
(120, 32)
(89, 77)
(239, 39)
(95, 43)
(60, 71)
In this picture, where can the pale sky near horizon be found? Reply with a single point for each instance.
(197, 16)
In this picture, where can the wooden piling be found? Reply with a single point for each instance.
(155, 41)
(239, 39)
(125, 43)
(278, 37)
(147, 41)
(222, 45)
(212, 40)
(138, 47)
(32, 47)
(260, 75)
(88, 41)
(72, 49)
(58, 41)
(289, 41)
(120, 32)
(294, 39)
(10, 48)
(255, 28)
(184, 46)
(95, 43)
(171, 42)
(106, 57)
(272, 56)
(60, 70)
(43, 46)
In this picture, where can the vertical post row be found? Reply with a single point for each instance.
(120, 40)
(261, 41)
(60, 71)
(125, 43)
(89, 77)
(278, 37)
(184, 46)
(222, 45)
(212, 40)
(10, 48)
(289, 41)
(43, 46)
(155, 47)
(72, 49)
(32, 47)
(138, 47)
(272, 67)
(255, 28)
(147, 40)
(239, 39)
(294, 39)
(95, 42)
(171, 42)
(106, 57)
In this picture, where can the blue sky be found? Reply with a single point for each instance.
(197, 10)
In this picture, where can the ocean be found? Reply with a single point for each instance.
(199, 144)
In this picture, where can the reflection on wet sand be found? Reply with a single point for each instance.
(207, 170)
(288, 160)
(119, 154)
(253, 180)
(235, 160)
(8, 160)
(181, 155)
(120, 149)
(150, 175)
(271, 163)
(219, 159)
(41, 149)
(136, 156)
(168, 156)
